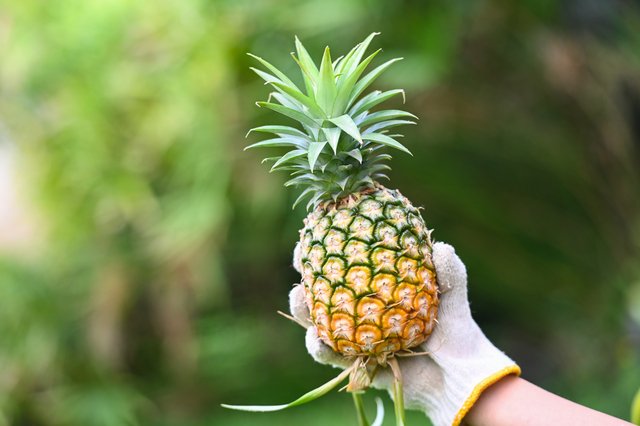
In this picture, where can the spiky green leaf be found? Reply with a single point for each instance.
(289, 112)
(388, 114)
(315, 148)
(287, 101)
(268, 78)
(369, 78)
(309, 103)
(333, 136)
(319, 195)
(274, 70)
(372, 99)
(280, 142)
(346, 85)
(336, 62)
(308, 68)
(307, 191)
(306, 177)
(332, 104)
(355, 153)
(326, 88)
(386, 125)
(291, 155)
(355, 55)
(279, 130)
(345, 122)
(387, 141)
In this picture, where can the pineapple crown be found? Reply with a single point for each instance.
(337, 148)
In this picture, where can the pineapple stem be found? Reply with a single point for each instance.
(297, 321)
(398, 397)
(359, 404)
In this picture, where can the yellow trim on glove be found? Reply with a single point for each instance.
(477, 391)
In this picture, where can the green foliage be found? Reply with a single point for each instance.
(162, 249)
(336, 132)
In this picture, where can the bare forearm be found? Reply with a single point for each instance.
(515, 401)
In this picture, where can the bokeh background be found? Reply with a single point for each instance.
(144, 254)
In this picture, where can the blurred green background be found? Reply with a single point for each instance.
(143, 254)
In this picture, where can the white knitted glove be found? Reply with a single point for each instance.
(461, 362)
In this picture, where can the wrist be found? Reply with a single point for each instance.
(479, 389)
(468, 370)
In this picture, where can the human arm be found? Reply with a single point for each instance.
(515, 401)
(462, 378)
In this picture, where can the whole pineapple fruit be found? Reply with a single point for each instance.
(364, 251)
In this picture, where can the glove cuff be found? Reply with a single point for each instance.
(467, 374)
(481, 387)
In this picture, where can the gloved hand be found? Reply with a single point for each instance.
(460, 362)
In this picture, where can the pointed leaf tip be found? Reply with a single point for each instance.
(386, 140)
(315, 148)
(345, 122)
(326, 88)
(333, 137)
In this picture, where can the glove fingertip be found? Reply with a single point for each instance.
(450, 270)
(322, 353)
(297, 304)
(315, 347)
(444, 249)
(297, 258)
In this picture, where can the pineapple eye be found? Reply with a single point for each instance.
(342, 326)
(422, 305)
(342, 219)
(417, 223)
(369, 309)
(307, 272)
(413, 330)
(316, 253)
(320, 315)
(371, 208)
(395, 324)
(322, 290)
(409, 243)
(358, 276)
(367, 336)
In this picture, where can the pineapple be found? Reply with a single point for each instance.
(364, 252)
(366, 267)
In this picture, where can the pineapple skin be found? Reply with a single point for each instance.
(366, 264)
